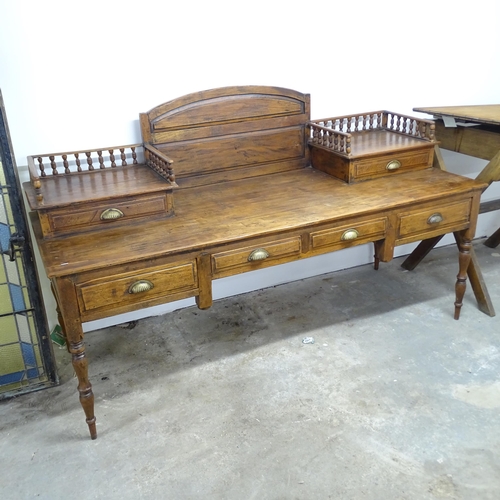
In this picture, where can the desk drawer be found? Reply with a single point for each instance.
(349, 235)
(433, 221)
(115, 212)
(141, 286)
(249, 258)
(392, 163)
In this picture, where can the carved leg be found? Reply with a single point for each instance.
(464, 256)
(80, 364)
(477, 282)
(72, 328)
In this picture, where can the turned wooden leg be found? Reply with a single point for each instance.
(464, 256)
(80, 364)
(69, 317)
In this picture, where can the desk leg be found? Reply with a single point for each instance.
(474, 272)
(80, 364)
(464, 258)
(71, 324)
(477, 282)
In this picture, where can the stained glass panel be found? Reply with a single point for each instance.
(25, 356)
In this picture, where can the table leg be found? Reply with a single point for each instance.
(464, 258)
(67, 306)
(477, 282)
(80, 364)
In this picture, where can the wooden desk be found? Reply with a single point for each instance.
(245, 197)
(481, 140)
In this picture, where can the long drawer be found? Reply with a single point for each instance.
(435, 220)
(349, 235)
(244, 259)
(123, 290)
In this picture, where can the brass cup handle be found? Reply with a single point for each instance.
(258, 254)
(435, 218)
(111, 214)
(393, 165)
(141, 286)
(350, 234)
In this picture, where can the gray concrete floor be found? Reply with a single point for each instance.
(393, 400)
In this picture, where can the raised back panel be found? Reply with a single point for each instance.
(231, 133)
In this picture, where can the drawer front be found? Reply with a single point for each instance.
(393, 163)
(349, 235)
(112, 212)
(248, 258)
(133, 288)
(436, 220)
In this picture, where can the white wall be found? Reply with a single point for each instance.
(76, 74)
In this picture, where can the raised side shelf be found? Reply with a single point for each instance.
(86, 190)
(365, 146)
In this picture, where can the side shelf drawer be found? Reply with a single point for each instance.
(141, 286)
(393, 163)
(349, 235)
(435, 220)
(114, 212)
(249, 258)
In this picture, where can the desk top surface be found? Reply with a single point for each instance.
(238, 210)
(484, 113)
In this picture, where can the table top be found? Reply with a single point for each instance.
(233, 211)
(482, 113)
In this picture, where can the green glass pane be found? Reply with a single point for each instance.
(3, 273)
(31, 325)
(26, 296)
(38, 357)
(13, 387)
(8, 207)
(8, 330)
(5, 301)
(11, 359)
(20, 269)
(3, 213)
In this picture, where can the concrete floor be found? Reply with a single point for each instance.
(393, 400)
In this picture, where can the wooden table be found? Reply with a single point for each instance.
(477, 133)
(481, 140)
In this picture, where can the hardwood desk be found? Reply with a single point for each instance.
(481, 140)
(245, 196)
